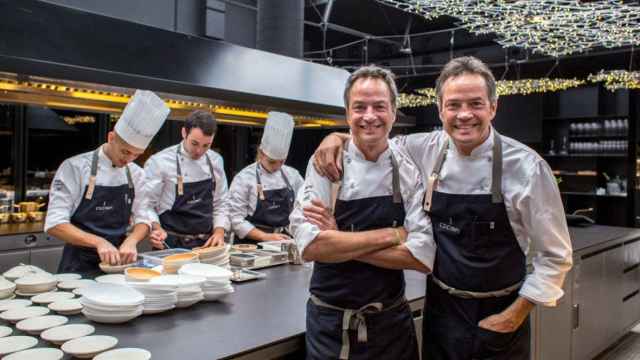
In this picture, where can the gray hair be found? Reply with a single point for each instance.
(372, 72)
(467, 65)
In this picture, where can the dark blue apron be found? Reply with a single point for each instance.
(357, 310)
(189, 222)
(273, 208)
(479, 267)
(103, 211)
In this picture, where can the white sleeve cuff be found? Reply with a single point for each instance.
(242, 229)
(305, 234)
(421, 249)
(541, 292)
(221, 221)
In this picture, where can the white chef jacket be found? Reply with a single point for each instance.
(162, 177)
(531, 196)
(243, 196)
(72, 177)
(366, 179)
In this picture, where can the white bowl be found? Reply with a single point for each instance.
(38, 324)
(110, 319)
(124, 354)
(37, 353)
(75, 284)
(66, 307)
(49, 297)
(16, 314)
(11, 344)
(89, 346)
(61, 334)
(112, 295)
(14, 303)
(67, 276)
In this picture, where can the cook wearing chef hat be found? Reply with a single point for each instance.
(94, 195)
(186, 188)
(262, 194)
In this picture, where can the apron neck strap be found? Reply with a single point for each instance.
(179, 171)
(94, 172)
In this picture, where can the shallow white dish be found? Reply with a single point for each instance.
(112, 295)
(5, 331)
(37, 353)
(75, 284)
(61, 334)
(17, 314)
(38, 280)
(211, 272)
(177, 280)
(112, 279)
(38, 324)
(31, 294)
(149, 311)
(11, 344)
(89, 346)
(67, 277)
(49, 297)
(66, 307)
(11, 304)
(124, 354)
(110, 319)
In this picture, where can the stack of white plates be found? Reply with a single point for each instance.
(218, 284)
(112, 279)
(111, 303)
(157, 298)
(34, 284)
(188, 287)
(6, 288)
(218, 255)
(22, 270)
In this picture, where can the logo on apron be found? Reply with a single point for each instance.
(104, 207)
(449, 228)
(194, 200)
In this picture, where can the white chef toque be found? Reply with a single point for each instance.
(141, 119)
(277, 134)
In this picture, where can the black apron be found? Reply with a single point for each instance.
(273, 208)
(357, 310)
(103, 211)
(478, 270)
(189, 222)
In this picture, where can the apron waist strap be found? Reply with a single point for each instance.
(189, 236)
(353, 319)
(465, 294)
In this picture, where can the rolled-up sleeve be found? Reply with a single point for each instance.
(141, 209)
(239, 205)
(543, 217)
(220, 196)
(64, 195)
(314, 187)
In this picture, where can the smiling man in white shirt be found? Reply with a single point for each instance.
(491, 200)
(187, 188)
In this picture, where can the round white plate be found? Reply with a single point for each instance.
(75, 284)
(124, 354)
(209, 271)
(88, 346)
(11, 344)
(38, 324)
(17, 314)
(39, 279)
(67, 277)
(178, 280)
(5, 331)
(11, 304)
(112, 279)
(30, 294)
(64, 333)
(112, 295)
(37, 353)
(53, 296)
(110, 319)
(66, 307)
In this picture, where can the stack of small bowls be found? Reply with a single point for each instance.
(35, 284)
(172, 263)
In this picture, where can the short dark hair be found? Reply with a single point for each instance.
(372, 72)
(467, 65)
(203, 120)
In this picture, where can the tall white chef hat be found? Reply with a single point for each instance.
(141, 119)
(276, 137)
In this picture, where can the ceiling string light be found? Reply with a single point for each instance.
(617, 79)
(550, 27)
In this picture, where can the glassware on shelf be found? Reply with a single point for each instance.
(564, 150)
(552, 147)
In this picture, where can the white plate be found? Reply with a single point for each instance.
(39, 279)
(66, 307)
(112, 279)
(30, 294)
(107, 309)
(209, 271)
(67, 277)
(37, 353)
(6, 285)
(17, 314)
(150, 311)
(11, 304)
(5, 331)
(112, 295)
(88, 346)
(108, 319)
(38, 324)
(61, 334)
(11, 344)
(21, 270)
(49, 297)
(124, 354)
(181, 281)
(75, 284)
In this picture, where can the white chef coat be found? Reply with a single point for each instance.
(531, 196)
(162, 177)
(72, 177)
(366, 179)
(243, 196)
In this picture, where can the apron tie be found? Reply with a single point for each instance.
(466, 294)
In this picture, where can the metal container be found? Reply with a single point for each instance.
(28, 206)
(18, 217)
(36, 216)
(4, 218)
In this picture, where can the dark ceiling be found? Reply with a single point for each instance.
(353, 21)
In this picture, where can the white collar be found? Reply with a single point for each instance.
(486, 146)
(356, 153)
